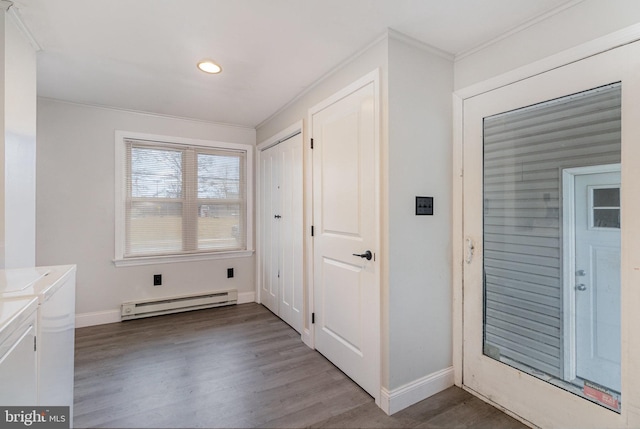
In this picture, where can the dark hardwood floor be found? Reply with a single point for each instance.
(237, 366)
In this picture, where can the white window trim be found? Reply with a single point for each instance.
(121, 194)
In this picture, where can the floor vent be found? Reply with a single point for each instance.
(156, 307)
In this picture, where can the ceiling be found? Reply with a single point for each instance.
(142, 54)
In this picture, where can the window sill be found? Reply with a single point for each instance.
(171, 259)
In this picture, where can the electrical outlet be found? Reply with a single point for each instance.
(229, 273)
(157, 279)
(424, 206)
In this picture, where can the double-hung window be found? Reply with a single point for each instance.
(181, 200)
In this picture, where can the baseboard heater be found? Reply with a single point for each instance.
(157, 307)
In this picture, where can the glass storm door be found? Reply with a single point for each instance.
(545, 199)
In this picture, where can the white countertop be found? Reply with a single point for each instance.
(35, 281)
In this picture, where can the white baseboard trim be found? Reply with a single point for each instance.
(398, 399)
(307, 338)
(245, 297)
(97, 318)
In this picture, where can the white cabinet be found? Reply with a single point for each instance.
(17, 352)
(53, 291)
(281, 230)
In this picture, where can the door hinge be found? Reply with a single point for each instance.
(311, 143)
(35, 346)
(278, 273)
(312, 232)
(313, 318)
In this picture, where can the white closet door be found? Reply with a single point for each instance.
(269, 207)
(291, 230)
(281, 222)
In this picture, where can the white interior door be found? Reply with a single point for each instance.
(345, 131)
(597, 296)
(512, 229)
(281, 216)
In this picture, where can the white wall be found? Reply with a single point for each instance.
(75, 207)
(585, 21)
(420, 86)
(19, 148)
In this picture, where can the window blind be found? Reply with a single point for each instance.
(183, 199)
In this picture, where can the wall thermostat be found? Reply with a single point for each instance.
(424, 206)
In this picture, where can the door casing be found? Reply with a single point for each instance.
(563, 68)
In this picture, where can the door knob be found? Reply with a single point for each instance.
(366, 255)
(581, 273)
(277, 216)
(581, 287)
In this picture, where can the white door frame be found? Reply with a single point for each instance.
(569, 260)
(630, 275)
(619, 38)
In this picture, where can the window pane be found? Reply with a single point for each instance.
(219, 177)
(219, 226)
(552, 283)
(156, 173)
(606, 197)
(154, 228)
(606, 218)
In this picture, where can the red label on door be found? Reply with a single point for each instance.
(600, 394)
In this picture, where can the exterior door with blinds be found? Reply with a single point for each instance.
(525, 248)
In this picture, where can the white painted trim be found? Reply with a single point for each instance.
(120, 198)
(500, 407)
(396, 35)
(98, 318)
(569, 260)
(17, 20)
(308, 333)
(283, 135)
(517, 29)
(457, 240)
(172, 259)
(373, 76)
(602, 44)
(246, 297)
(150, 114)
(398, 399)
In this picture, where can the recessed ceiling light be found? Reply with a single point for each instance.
(209, 66)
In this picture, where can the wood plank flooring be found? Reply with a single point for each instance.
(237, 366)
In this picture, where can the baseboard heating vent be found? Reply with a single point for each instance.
(157, 307)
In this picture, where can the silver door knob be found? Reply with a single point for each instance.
(581, 287)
